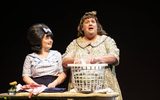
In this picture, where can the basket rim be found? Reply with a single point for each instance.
(82, 65)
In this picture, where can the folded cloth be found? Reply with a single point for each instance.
(33, 89)
(106, 90)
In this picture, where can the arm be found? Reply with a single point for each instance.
(68, 56)
(67, 60)
(27, 71)
(60, 79)
(112, 56)
(28, 80)
(61, 75)
(109, 59)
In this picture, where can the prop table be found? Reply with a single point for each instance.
(61, 96)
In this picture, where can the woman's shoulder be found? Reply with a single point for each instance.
(31, 55)
(73, 42)
(55, 52)
(107, 38)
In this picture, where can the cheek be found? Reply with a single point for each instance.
(51, 41)
(84, 28)
(95, 25)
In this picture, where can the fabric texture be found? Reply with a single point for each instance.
(104, 45)
(35, 66)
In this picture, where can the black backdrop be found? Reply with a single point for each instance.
(134, 26)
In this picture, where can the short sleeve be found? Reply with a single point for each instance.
(59, 57)
(70, 50)
(112, 48)
(27, 67)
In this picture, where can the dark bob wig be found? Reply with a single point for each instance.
(35, 35)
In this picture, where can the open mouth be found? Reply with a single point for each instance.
(90, 28)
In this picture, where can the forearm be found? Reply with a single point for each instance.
(60, 79)
(67, 60)
(109, 59)
(28, 80)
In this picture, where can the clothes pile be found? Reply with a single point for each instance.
(33, 89)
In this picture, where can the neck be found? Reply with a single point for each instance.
(91, 39)
(44, 53)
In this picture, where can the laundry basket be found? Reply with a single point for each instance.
(87, 78)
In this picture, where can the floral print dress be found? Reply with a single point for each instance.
(104, 45)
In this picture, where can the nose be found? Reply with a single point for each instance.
(90, 23)
(50, 39)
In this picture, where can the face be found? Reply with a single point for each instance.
(47, 42)
(90, 28)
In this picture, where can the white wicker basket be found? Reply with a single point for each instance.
(88, 78)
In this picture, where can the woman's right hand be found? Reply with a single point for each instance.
(82, 61)
(77, 61)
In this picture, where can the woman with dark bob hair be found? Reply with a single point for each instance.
(43, 66)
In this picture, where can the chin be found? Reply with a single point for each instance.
(49, 47)
(91, 36)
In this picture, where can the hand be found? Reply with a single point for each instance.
(52, 85)
(77, 61)
(95, 60)
(33, 88)
(82, 61)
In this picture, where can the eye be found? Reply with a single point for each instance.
(86, 21)
(93, 21)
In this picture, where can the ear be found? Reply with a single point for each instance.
(82, 28)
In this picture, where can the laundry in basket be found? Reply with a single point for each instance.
(88, 78)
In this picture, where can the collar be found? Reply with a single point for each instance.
(100, 39)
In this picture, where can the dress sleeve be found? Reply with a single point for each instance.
(27, 67)
(70, 50)
(60, 62)
(112, 48)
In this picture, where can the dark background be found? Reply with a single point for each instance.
(134, 26)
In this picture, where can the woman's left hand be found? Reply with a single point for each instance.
(95, 60)
(51, 85)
